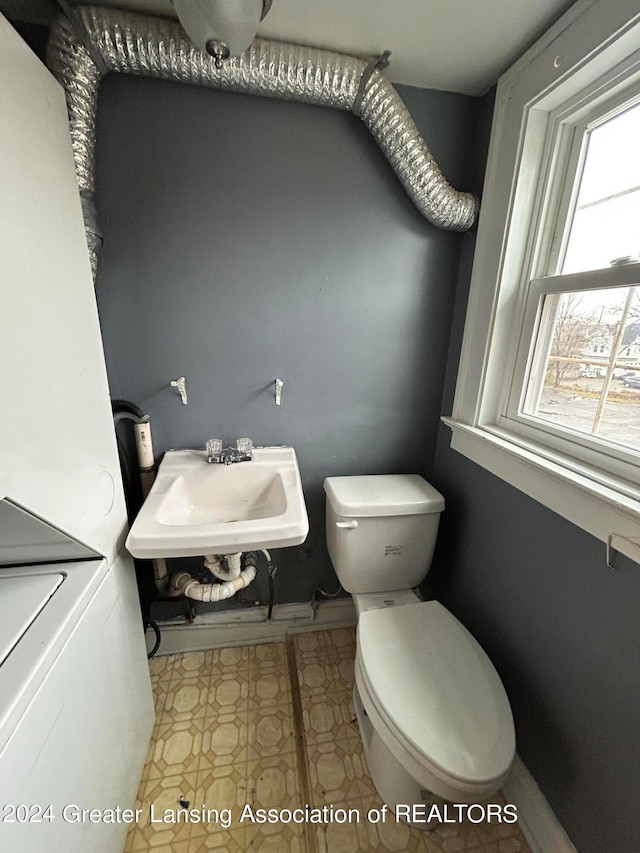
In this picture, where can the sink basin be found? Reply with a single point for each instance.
(196, 508)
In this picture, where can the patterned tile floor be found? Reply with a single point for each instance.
(227, 735)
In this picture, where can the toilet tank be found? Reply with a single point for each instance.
(381, 530)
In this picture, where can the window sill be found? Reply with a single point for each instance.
(593, 501)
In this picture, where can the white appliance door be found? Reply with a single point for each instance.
(75, 706)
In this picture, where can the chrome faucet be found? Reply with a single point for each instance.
(242, 452)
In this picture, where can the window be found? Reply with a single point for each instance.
(575, 373)
(587, 389)
(548, 392)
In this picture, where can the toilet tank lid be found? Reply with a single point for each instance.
(382, 494)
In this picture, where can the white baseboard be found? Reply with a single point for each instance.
(250, 626)
(536, 819)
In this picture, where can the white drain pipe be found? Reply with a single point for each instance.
(146, 463)
(147, 471)
(183, 582)
(213, 562)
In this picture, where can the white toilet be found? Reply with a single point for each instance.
(434, 717)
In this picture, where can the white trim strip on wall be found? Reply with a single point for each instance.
(536, 818)
(249, 626)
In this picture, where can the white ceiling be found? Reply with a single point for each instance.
(455, 45)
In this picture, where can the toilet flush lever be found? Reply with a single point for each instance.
(347, 525)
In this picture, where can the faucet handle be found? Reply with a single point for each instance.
(213, 447)
(245, 446)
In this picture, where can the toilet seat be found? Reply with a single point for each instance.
(435, 698)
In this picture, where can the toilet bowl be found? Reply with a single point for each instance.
(434, 717)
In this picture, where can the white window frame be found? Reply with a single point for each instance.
(591, 449)
(590, 58)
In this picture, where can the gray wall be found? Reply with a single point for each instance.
(248, 239)
(561, 627)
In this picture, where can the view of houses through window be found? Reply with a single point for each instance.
(588, 344)
(592, 377)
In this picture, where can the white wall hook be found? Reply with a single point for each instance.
(279, 383)
(181, 385)
(627, 545)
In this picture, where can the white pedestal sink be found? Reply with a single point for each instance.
(196, 508)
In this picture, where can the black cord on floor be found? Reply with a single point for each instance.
(151, 624)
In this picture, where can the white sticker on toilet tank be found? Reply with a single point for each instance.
(392, 550)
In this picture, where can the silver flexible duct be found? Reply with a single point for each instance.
(100, 40)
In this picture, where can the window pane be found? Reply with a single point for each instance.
(606, 222)
(586, 365)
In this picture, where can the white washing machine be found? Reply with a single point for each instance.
(76, 711)
(75, 705)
